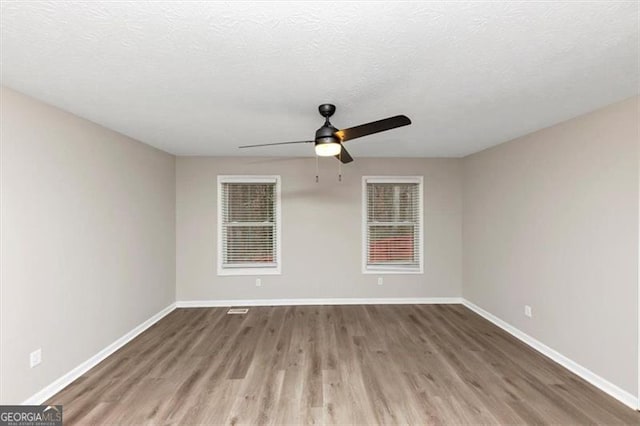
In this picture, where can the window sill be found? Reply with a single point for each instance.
(248, 271)
(398, 271)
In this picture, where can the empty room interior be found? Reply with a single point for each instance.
(320, 212)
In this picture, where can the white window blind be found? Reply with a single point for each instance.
(249, 225)
(393, 224)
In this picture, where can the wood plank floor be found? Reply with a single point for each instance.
(416, 364)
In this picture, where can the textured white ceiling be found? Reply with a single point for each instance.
(198, 78)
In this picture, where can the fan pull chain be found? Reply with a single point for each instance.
(317, 170)
(340, 167)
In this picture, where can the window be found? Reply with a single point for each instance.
(392, 224)
(248, 225)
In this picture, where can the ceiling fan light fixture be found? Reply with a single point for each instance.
(327, 147)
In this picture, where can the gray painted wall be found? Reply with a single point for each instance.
(321, 238)
(551, 220)
(88, 240)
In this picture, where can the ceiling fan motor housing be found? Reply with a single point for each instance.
(326, 134)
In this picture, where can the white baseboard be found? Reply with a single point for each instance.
(344, 301)
(72, 375)
(588, 375)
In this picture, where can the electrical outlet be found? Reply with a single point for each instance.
(380, 280)
(258, 282)
(527, 311)
(35, 357)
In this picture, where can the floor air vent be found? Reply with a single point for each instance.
(237, 311)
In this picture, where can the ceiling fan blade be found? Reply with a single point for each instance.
(373, 127)
(270, 144)
(344, 156)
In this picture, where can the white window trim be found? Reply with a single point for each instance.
(272, 270)
(389, 269)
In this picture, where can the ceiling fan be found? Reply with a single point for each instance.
(329, 140)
